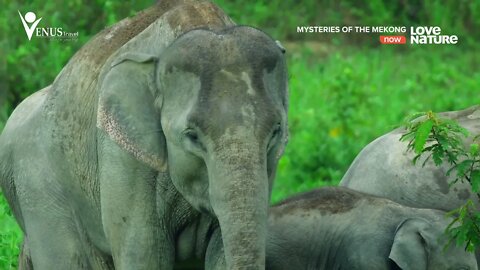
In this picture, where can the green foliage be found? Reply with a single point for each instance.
(10, 237)
(3, 116)
(468, 232)
(422, 135)
(341, 101)
(442, 139)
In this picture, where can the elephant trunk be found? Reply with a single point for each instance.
(239, 195)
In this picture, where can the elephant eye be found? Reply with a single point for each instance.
(192, 135)
(277, 130)
(275, 134)
(193, 138)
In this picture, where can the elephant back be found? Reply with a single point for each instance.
(468, 118)
(71, 106)
(384, 168)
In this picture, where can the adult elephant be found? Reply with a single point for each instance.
(157, 130)
(384, 168)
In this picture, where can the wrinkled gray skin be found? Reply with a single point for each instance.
(384, 168)
(153, 138)
(338, 228)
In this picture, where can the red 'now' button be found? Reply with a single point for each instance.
(393, 39)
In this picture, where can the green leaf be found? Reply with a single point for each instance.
(422, 135)
(475, 180)
(407, 136)
(463, 167)
(449, 171)
(438, 155)
(452, 158)
(474, 149)
(415, 159)
(426, 160)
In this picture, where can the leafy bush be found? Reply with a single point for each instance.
(442, 141)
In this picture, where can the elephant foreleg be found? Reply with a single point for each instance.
(137, 236)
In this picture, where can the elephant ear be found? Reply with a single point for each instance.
(127, 111)
(410, 245)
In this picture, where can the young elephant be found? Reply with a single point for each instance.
(338, 228)
(384, 168)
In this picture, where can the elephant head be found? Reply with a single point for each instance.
(211, 111)
(420, 244)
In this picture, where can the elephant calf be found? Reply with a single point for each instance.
(338, 228)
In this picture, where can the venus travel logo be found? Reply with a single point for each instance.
(30, 18)
(30, 23)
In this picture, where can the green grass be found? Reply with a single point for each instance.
(342, 101)
(10, 237)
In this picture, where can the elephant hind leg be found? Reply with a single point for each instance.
(52, 239)
(55, 240)
(24, 259)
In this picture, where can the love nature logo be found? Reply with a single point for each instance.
(30, 23)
